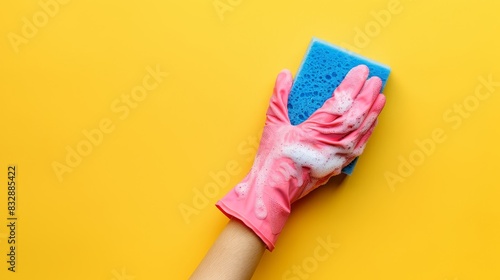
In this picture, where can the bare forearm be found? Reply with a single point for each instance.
(234, 255)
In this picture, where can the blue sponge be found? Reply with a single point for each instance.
(323, 68)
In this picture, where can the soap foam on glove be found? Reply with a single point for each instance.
(323, 68)
(293, 160)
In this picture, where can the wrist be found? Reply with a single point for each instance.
(243, 209)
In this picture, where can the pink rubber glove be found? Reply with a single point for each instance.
(294, 160)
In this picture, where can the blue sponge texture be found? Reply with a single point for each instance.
(323, 68)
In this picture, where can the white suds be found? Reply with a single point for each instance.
(342, 103)
(321, 162)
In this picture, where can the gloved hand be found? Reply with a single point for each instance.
(294, 160)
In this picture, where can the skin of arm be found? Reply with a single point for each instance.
(234, 255)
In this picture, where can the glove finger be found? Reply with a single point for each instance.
(362, 105)
(365, 99)
(342, 98)
(277, 111)
(360, 148)
(353, 119)
(358, 137)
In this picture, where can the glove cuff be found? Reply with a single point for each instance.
(268, 228)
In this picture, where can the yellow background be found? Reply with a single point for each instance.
(117, 214)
